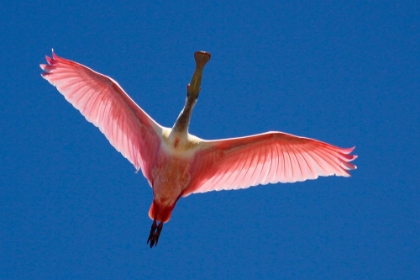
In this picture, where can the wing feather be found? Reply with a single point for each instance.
(287, 166)
(266, 168)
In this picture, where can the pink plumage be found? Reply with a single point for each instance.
(271, 157)
(177, 163)
(105, 104)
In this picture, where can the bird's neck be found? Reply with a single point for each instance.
(180, 128)
(183, 120)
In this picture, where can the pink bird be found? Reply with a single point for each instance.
(176, 163)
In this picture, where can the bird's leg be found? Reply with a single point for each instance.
(152, 230)
(158, 230)
(154, 233)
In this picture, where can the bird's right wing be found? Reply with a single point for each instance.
(270, 157)
(105, 104)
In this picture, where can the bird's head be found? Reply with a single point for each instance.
(193, 88)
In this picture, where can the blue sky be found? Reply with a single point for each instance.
(71, 207)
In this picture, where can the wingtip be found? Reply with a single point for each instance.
(53, 54)
(348, 150)
(347, 153)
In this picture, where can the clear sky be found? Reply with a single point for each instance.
(344, 72)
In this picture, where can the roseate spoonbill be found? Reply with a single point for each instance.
(176, 163)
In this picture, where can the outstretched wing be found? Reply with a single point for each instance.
(270, 157)
(105, 104)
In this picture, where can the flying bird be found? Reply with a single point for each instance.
(177, 163)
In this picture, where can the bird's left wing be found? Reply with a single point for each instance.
(105, 104)
(270, 157)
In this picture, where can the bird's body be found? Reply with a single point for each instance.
(171, 171)
(176, 163)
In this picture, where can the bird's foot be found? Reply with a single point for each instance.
(154, 234)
